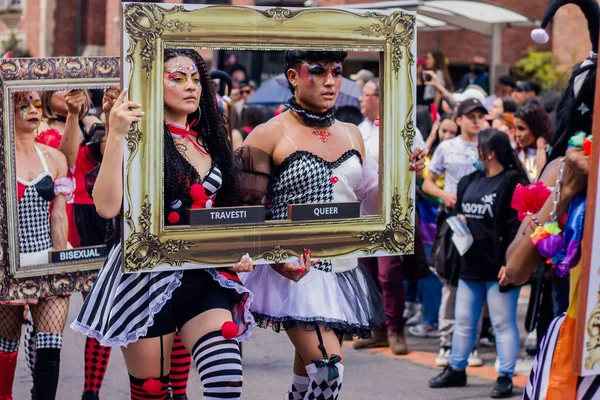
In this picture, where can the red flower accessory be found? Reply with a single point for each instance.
(528, 200)
(199, 197)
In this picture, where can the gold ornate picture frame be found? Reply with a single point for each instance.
(40, 74)
(150, 28)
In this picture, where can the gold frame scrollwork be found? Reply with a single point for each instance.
(150, 28)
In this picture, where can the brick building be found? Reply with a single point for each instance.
(92, 27)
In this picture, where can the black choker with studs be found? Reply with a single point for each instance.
(311, 118)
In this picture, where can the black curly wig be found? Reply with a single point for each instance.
(212, 131)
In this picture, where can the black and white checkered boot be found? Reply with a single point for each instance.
(319, 388)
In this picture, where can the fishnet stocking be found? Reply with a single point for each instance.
(11, 318)
(50, 315)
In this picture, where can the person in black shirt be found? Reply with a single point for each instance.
(483, 203)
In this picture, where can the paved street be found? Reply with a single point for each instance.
(267, 361)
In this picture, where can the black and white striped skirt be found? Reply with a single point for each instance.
(121, 307)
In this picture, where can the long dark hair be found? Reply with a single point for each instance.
(571, 116)
(212, 130)
(498, 142)
(440, 65)
(537, 119)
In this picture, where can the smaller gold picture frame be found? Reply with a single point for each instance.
(40, 74)
(148, 29)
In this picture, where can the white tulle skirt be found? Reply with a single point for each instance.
(347, 301)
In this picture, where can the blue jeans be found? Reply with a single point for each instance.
(470, 297)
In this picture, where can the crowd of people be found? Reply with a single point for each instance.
(501, 168)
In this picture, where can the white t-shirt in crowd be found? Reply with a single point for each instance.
(453, 158)
(370, 134)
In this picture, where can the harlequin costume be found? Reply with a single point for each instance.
(122, 308)
(336, 294)
(35, 241)
(86, 228)
(552, 375)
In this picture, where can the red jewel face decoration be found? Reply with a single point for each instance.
(334, 179)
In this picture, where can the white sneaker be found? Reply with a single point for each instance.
(443, 358)
(409, 310)
(474, 359)
(416, 319)
(423, 331)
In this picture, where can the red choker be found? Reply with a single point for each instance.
(178, 132)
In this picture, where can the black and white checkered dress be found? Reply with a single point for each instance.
(336, 294)
(33, 212)
(121, 307)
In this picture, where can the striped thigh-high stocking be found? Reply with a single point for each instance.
(180, 369)
(220, 366)
(149, 389)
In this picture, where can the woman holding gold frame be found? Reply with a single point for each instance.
(306, 156)
(42, 191)
(141, 312)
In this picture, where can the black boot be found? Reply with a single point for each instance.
(45, 373)
(503, 387)
(449, 378)
(90, 395)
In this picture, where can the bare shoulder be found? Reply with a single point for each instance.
(266, 136)
(56, 159)
(550, 173)
(356, 136)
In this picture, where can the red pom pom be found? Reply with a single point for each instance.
(334, 179)
(173, 217)
(528, 200)
(229, 330)
(376, 122)
(587, 146)
(152, 386)
(197, 192)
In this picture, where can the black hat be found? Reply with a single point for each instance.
(470, 105)
(590, 9)
(523, 86)
(507, 80)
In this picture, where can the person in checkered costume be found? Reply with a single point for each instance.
(42, 192)
(302, 156)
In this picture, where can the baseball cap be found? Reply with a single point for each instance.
(507, 80)
(469, 106)
(523, 86)
(363, 75)
(471, 92)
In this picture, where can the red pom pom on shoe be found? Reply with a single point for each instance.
(152, 386)
(173, 217)
(229, 330)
